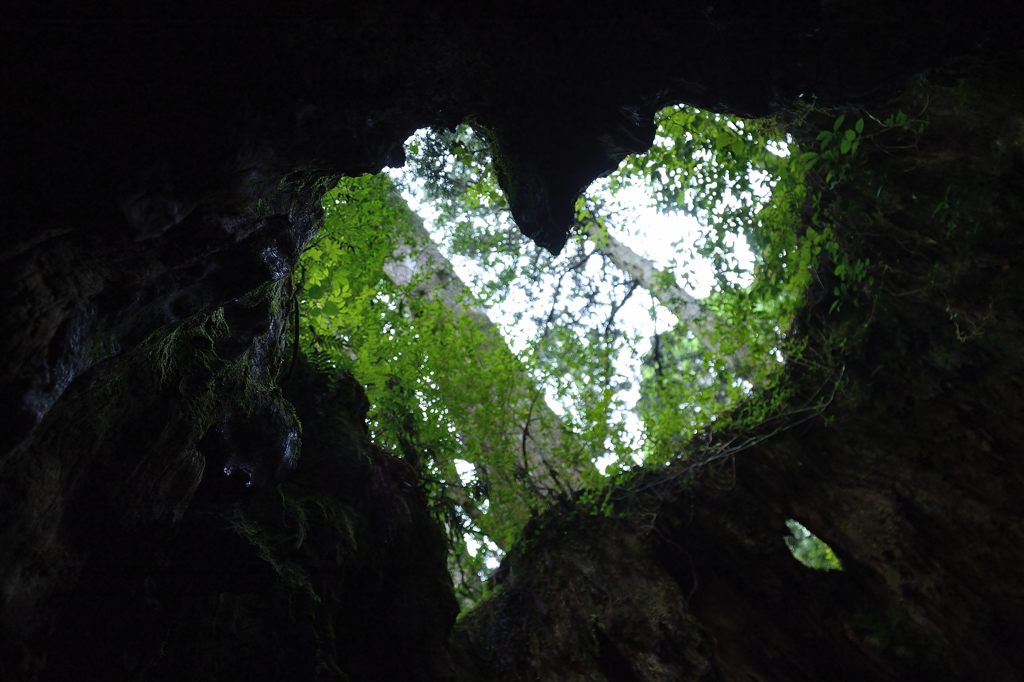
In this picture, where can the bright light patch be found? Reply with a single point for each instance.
(472, 544)
(466, 471)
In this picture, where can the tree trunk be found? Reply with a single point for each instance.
(643, 270)
(662, 286)
(536, 435)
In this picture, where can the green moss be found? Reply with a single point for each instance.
(188, 345)
(267, 544)
(193, 359)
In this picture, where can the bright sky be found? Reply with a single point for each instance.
(666, 239)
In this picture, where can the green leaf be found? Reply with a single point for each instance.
(331, 309)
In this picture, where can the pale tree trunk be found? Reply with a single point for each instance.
(536, 434)
(648, 275)
(698, 320)
(664, 289)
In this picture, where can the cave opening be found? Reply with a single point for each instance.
(533, 377)
(166, 168)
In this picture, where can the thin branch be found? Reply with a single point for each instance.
(633, 286)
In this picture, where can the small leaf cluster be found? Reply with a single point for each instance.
(809, 549)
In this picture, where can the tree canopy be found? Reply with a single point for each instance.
(510, 377)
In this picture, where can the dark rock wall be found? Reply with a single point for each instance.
(161, 166)
(902, 450)
(199, 545)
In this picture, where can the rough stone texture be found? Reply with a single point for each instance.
(189, 559)
(912, 472)
(160, 165)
